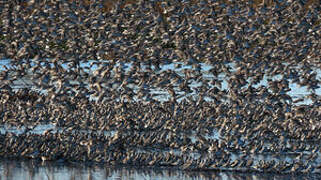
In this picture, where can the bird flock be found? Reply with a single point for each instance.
(95, 77)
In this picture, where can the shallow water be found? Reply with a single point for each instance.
(284, 156)
(86, 171)
(32, 169)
